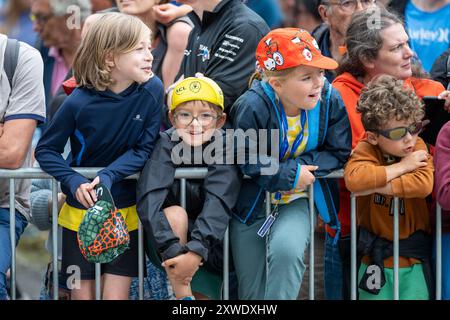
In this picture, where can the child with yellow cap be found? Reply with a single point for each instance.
(185, 238)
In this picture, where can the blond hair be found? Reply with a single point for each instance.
(112, 34)
(266, 74)
(387, 98)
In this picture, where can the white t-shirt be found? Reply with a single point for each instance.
(26, 101)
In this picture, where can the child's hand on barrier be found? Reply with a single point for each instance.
(86, 194)
(183, 267)
(414, 160)
(306, 176)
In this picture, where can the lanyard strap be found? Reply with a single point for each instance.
(298, 140)
(285, 144)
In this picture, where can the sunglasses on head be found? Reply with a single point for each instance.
(400, 132)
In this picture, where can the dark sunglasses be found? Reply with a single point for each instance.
(400, 132)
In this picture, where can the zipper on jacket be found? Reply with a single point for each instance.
(251, 209)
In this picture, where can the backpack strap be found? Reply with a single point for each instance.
(11, 58)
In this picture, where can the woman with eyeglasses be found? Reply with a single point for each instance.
(376, 44)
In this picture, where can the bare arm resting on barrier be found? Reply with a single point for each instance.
(412, 177)
(15, 142)
(24, 107)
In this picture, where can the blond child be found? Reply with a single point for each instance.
(112, 120)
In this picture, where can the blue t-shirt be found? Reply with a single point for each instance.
(428, 32)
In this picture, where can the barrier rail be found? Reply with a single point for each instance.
(198, 173)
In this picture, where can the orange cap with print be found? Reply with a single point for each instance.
(291, 47)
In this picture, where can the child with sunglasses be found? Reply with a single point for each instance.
(392, 161)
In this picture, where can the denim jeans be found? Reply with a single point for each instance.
(272, 268)
(5, 245)
(333, 274)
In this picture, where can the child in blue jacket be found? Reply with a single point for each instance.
(112, 120)
(308, 135)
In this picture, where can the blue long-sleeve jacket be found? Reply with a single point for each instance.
(328, 147)
(115, 131)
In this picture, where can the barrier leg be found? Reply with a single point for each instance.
(311, 245)
(141, 262)
(353, 234)
(55, 238)
(396, 248)
(12, 234)
(438, 252)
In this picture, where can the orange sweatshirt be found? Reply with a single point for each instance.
(350, 89)
(366, 170)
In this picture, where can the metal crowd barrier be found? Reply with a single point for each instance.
(198, 173)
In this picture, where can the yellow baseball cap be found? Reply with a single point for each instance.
(192, 88)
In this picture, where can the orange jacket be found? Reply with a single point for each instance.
(366, 170)
(350, 89)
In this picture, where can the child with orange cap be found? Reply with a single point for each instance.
(295, 103)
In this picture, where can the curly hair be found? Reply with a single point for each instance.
(387, 98)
